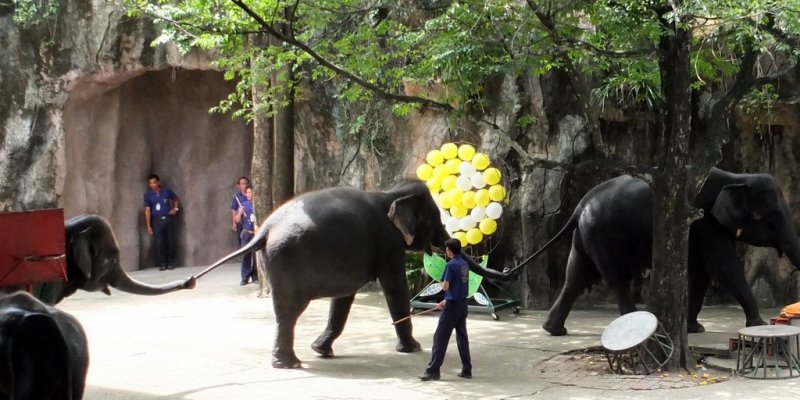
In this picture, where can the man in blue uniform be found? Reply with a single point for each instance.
(238, 199)
(455, 283)
(160, 207)
(246, 216)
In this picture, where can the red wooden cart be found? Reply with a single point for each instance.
(32, 248)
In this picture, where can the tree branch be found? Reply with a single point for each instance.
(379, 91)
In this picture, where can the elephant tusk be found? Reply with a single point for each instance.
(738, 233)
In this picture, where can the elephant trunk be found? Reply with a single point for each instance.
(484, 272)
(124, 282)
(793, 253)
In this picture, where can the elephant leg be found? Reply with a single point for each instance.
(576, 280)
(395, 289)
(698, 283)
(734, 280)
(286, 314)
(340, 309)
(625, 298)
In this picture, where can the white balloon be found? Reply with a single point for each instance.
(463, 183)
(466, 223)
(451, 225)
(466, 169)
(444, 215)
(478, 213)
(494, 210)
(477, 181)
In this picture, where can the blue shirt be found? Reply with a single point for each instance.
(159, 203)
(249, 216)
(457, 274)
(238, 199)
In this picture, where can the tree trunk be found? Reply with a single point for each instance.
(261, 163)
(283, 172)
(673, 214)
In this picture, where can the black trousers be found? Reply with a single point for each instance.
(454, 316)
(162, 240)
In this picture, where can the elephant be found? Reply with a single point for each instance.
(43, 351)
(93, 264)
(612, 239)
(330, 242)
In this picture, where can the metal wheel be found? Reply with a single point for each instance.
(515, 310)
(495, 317)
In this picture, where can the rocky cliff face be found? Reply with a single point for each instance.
(90, 109)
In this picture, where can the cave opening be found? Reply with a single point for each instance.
(118, 131)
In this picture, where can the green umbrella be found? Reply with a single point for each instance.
(434, 266)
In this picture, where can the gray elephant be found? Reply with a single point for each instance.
(329, 243)
(612, 236)
(43, 351)
(93, 263)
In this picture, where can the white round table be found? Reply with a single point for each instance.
(636, 342)
(769, 352)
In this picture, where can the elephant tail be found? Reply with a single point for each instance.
(258, 242)
(571, 224)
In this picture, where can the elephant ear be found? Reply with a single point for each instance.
(402, 215)
(82, 252)
(730, 208)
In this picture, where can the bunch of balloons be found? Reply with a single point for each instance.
(467, 189)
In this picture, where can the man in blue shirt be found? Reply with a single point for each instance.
(238, 199)
(455, 283)
(160, 207)
(246, 217)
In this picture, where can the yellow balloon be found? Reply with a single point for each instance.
(449, 151)
(451, 166)
(488, 226)
(468, 199)
(439, 171)
(448, 183)
(454, 196)
(482, 198)
(497, 192)
(491, 176)
(424, 172)
(458, 211)
(466, 152)
(434, 157)
(434, 185)
(474, 236)
(444, 202)
(462, 237)
(480, 161)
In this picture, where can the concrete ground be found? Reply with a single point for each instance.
(215, 342)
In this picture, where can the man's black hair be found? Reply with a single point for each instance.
(454, 245)
(245, 178)
(153, 176)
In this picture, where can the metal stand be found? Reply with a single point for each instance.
(430, 296)
(771, 351)
(636, 343)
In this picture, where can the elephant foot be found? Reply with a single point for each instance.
(555, 330)
(695, 327)
(326, 351)
(286, 363)
(410, 347)
(756, 322)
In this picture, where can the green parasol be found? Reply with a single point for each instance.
(434, 266)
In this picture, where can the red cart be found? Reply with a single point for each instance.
(32, 248)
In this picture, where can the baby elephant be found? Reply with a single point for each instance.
(43, 351)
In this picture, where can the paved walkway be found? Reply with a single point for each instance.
(215, 342)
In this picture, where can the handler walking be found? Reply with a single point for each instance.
(455, 284)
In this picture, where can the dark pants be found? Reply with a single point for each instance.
(162, 240)
(454, 316)
(248, 260)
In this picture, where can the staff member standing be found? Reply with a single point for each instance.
(160, 206)
(247, 218)
(236, 206)
(456, 285)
